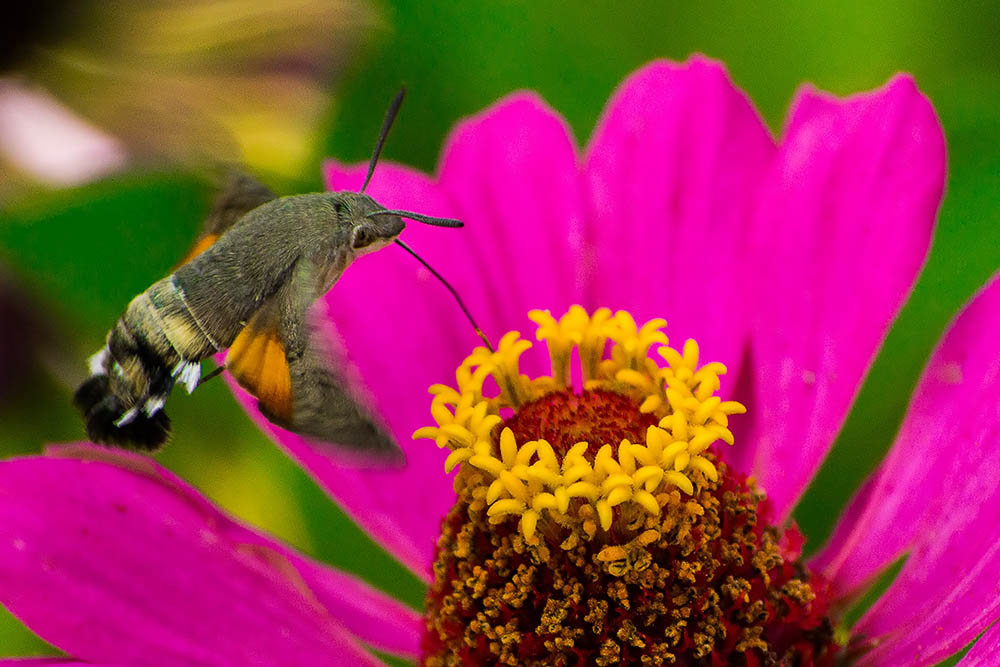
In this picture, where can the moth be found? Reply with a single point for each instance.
(248, 284)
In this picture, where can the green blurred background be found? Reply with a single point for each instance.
(318, 86)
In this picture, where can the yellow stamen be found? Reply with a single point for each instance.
(531, 479)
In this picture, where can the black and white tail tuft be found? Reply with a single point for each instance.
(103, 411)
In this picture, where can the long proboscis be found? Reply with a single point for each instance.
(390, 116)
(454, 293)
(420, 217)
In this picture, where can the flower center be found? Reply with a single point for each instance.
(597, 526)
(594, 416)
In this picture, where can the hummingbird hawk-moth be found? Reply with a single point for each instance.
(247, 285)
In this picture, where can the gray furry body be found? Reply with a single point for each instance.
(226, 284)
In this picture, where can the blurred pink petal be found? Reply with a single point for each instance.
(379, 500)
(673, 169)
(47, 140)
(148, 572)
(984, 653)
(843, 223)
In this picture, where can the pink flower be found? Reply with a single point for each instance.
(788, 260)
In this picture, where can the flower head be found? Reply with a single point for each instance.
(597, 526)
(786, 261)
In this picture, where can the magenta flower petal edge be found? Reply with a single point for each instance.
(49, 662)
(985, 651)
(672, 172)
(145, 571)
(947, 587)
(842, 225)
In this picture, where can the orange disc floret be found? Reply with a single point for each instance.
(595, 416)
(709, 583)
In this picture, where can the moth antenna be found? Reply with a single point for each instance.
(390, 116)
(454, 293)
(419, 217)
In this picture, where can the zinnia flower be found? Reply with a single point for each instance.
(605, 501)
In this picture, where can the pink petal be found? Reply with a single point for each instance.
(842, 227)
(951, 408)
(985, 651)
(510, 175)
(936, 496)
(400, 507)
(672, 171)
(113, 559)
(48, 661)
(927, 626)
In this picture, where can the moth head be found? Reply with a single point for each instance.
(358, 215)
(381, 226)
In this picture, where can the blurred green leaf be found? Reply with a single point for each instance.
(91, 249)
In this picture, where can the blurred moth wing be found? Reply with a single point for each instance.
(285, 359)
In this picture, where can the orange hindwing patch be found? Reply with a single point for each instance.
(257, 360)
(200, 246)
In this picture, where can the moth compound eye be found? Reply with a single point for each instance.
(362, 238)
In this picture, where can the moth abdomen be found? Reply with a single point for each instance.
(155, 343)
(166, 321)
